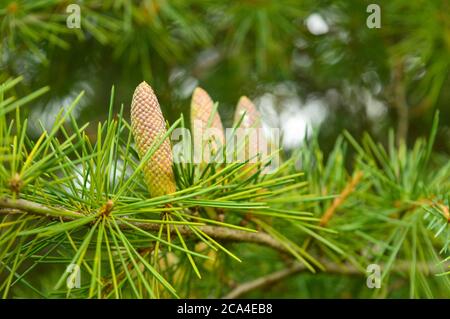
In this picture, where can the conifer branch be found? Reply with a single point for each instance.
(22, 206)
(331, 268)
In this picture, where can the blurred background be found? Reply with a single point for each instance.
(307, 64)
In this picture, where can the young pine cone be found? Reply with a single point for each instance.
(251, 121)
(148, 125)
(202, 107)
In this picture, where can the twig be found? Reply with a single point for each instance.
(444, 209)
(21, 206)
(263, 281)
(347, 269)
(341, 198)
(281, 274)
(439, 205)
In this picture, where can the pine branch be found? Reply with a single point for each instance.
(22, 206)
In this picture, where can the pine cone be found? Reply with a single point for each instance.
(251, 120)
(148, 125)
(252, 117)
(201, 110)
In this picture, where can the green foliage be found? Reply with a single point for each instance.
(251, 47)
(73, 192)
(73, 198)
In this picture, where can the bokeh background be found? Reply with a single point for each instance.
(307, 64)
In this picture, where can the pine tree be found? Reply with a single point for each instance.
(79, 201)
(94, 205)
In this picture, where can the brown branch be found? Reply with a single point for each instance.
(444, 209)
(263, 281)
(439, 205)
(222, 233)
(341, 198)
(346, 269)
(21, 206)
(284, 273)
